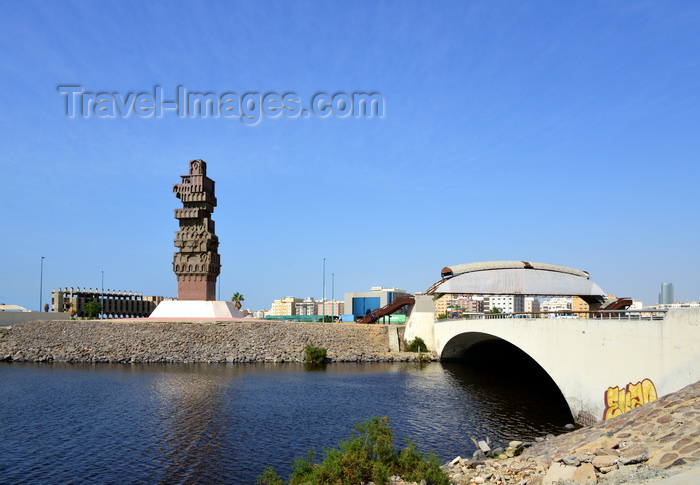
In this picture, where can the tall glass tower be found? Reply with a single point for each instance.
(666, 296)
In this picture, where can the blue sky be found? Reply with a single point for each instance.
(560, 132)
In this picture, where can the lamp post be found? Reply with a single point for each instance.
(323, 300)
(102, 297)
(41, 285)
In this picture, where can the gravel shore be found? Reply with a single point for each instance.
(129, 341)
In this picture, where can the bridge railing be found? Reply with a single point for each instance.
(603, 315)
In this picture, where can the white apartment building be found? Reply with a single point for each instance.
(637, 305)
(507, 303)
(557, 304)
(261, 314)
(306, 307)
(663, 306)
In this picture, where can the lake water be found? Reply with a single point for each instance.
(224, 423)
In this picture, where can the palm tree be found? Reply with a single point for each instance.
(238, 298)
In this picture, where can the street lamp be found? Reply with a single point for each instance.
(102, 297)
(41, 284)
(323, 300)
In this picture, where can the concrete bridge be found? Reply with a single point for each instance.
(603, 365)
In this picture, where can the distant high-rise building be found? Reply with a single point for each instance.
(557, 304)
(666, 296)
(578, 304)
(285, 306)
(333, 308)
(469, 304)
(306, 307)
(532, 304)
(442, 303)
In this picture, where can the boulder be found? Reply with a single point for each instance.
(479, 455)
(577, 474)
(602, 442)
(570, 460)
(634, 455)
(603, 461)
(483, 446)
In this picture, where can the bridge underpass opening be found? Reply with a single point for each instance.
(494, 362)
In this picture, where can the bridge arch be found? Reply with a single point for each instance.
(462, 345)
(487, 349)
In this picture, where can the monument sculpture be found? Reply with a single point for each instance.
(197, 263)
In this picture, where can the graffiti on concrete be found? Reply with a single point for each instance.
(618, 401)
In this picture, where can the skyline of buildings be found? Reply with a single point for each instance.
(457, 303)
(290, 306)
(116, 303)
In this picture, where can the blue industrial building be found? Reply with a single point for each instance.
(360, 304)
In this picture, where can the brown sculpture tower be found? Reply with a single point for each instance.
(197, 264)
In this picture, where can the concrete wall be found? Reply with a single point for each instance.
(602, 367)
(421, 320)
(10, 318)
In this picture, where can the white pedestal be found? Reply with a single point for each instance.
(196, 309)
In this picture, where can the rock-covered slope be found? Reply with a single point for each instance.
(230, 341)
(650, 442)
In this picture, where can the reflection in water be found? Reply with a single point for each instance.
(443, 405)
(194, 423)
(225, 423)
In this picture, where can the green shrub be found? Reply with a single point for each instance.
(315, 355)
(415, 345)
(414, 467)
(367, 456)
(92, 309)
(270, 477)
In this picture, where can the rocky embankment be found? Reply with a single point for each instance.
(648, 443)
(210, 342)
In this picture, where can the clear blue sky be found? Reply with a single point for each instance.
(560, 132)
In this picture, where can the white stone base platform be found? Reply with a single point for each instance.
(195, 309)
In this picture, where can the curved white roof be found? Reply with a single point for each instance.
(515, 278)
(490, 265)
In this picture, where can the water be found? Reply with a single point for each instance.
(225, 423)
